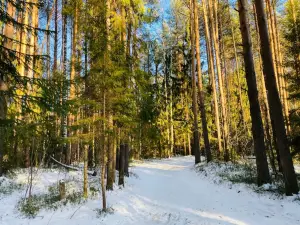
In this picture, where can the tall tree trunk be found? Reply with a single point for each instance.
(23, 44)
(237, 68)
(64, 89)
(110, 154)
(103, 162)
(212, 76)
(215, 40)
(121, 164)
(8, 32)
(126, 160)
(273, 44)
(196, 144)
(263, 175)
(3, 114)
(284, 95)
(200, 85)
(9, 27)
(33, 38)
(296, 33)
(48, 39)
(276, 114)
(265, 107)
(85, 170)
(166, 87)
(55, 35)
(171, 123)
(71, 117)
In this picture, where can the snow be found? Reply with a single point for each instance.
(168, 191)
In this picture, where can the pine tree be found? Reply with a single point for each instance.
(263, 175)
(276, 114)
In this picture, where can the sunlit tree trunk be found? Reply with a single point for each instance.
(64, 71)
(9, 27)
(200, 85)
(33, 38)
(23, 47)
(284, 94)
(171, 124)
(71, 117)
(215, 40)
(296, 33)
(237, 70)
(212, 77)
(196, 144)
(273, 45)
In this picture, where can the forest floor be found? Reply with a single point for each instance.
(169, 191)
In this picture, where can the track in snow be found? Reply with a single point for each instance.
(169, 192)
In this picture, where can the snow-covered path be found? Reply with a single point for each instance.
(170, 192)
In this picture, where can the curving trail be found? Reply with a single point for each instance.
(170, 192)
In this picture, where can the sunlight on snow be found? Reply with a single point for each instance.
(216, 217)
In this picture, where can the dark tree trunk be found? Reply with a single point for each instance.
(122, 164)
(263, 175)
(118, 159)
(110, 156)
(126, 164)
(291, 184)
(3, 112)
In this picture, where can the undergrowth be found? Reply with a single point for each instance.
(7, 187)
(244, 173)
(102, 212)
(30, 207)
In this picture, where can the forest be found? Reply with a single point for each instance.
(108, 92)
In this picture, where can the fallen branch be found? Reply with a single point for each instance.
(92, 173)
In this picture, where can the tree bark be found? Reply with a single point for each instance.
(33, 38)
(215, 40)
(110, 155)
(48, 39)
(121, 164)
(23, 44)
(8, 32)
(212, 76)
(126, 163)
(85, 170)
(276, 114)
(200, 86)
(55, 36)
(263, 175)
(196, 144)
(265, 104)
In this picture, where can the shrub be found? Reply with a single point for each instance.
(49, 201)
